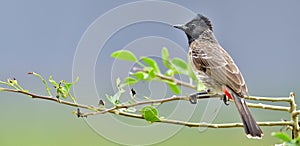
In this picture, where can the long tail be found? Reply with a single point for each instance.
(250, 126)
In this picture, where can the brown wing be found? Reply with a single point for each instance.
(212, 59)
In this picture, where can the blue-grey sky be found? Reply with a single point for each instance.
(42, 36)
(262, 37)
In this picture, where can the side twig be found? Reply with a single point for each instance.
(163, 77)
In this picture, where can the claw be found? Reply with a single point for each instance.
(193, 97)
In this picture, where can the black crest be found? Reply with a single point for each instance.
(206, 20)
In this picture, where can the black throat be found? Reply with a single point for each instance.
(190, 39)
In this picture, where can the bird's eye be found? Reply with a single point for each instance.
(193, 25)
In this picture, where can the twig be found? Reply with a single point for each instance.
(226, 125)
(209, 125)
(161, 101)
(295, 113)
(50, 98)
(271, 99)
(163, 77)
(269, 107)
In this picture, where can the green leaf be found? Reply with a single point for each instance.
(118, 81)
(60, 90)
(297, 140)
(151, 72)
(130, 109)
(165, 57)
(283, 136)
(44, 82)
(180, 66)
(64, 92)
(169, 82)
(53, 82)
(200, 86)
(151, 63)
(128, 82)
(191, 73)
(170, 73)
(67, 86)
(150, 114)
(175, 89)
(124, 55)
(15, 84)
(116, 97)
(2, 82)
(140, 75)
(109, 98)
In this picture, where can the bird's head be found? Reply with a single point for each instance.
(194, 28)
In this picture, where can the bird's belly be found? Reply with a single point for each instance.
(208, 82)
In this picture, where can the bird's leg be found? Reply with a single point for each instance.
(225, 100)
(193, 97)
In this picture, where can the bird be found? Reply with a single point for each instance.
(215, 68)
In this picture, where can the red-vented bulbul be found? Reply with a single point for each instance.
(217, 70)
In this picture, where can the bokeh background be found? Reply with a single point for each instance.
(42, 36)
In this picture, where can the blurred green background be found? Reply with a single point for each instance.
(42, 36)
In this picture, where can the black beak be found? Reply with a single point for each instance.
(181, 27)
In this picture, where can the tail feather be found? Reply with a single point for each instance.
(250, 126)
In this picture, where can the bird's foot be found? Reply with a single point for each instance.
(193, 97)
(225, 100)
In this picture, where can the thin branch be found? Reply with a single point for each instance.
(174, 98)
(269, 107)
(271, 99)
(160, 101)
(32, 95)
(172, 79)
(296, 113)
(209, 125)
(226, 125)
